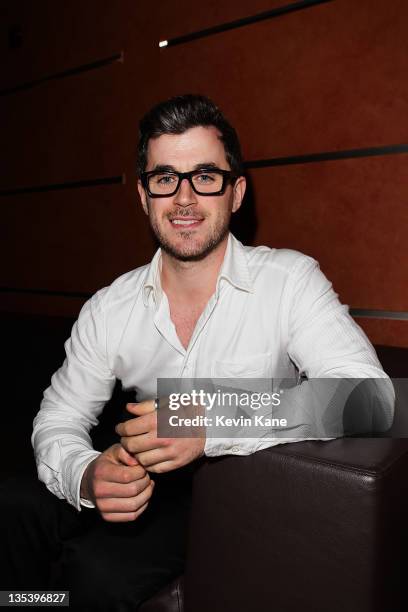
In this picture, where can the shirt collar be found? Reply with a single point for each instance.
(234, 269)
(152, 284)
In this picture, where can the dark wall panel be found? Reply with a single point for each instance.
(79, 126)
(72, 240)
(381, 331)
(83, 123)
(57, 37)
(329, 77)
(177, 20)
(350, 215)
(326, 78)
(65, 130)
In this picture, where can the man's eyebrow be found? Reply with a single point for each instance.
(205, 165)
(163, 168)
(169, 168)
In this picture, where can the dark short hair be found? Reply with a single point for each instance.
(179, 114)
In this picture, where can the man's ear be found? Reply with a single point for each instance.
(238, 192)
(142, 195)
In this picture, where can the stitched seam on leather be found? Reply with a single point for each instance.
(346, 468)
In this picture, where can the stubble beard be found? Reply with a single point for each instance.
(191, 251)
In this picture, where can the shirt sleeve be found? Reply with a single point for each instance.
(71, 406)
(323, 341)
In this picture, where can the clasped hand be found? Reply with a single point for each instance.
(117, 481)
(139, 438)
(117, 485)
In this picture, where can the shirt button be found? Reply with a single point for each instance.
(235, 449)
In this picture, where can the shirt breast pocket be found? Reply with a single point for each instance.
(249, 366)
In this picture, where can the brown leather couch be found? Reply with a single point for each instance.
(310, 526)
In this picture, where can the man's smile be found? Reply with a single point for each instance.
(190, 222)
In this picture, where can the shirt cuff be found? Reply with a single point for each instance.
(73, 471)
(215, 447)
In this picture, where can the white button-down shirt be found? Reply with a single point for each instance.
(272, 310)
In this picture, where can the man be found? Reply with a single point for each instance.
(205, 306)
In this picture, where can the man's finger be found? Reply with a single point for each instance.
(119, 473)
(126, 457)
(125, 504)
(141, 408)
(114, 489)
(158, 455)
(118, 454)
(123, 517)
(161, 468)
(143, 442)
(134, 427)
(123, 457)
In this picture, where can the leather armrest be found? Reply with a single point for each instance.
(312, 525)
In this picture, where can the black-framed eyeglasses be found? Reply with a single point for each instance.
(206, 182)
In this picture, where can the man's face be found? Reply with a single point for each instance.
(189, 226)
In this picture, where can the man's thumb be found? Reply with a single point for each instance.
(126, 458)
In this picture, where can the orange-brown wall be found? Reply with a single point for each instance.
(331, 77)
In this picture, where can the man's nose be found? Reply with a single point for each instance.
(185, 195)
